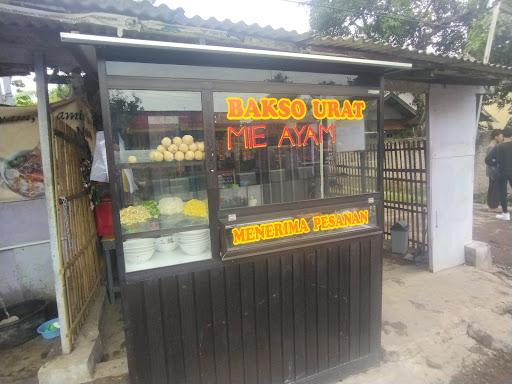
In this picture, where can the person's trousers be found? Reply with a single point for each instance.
(493, 193)
(503, 181)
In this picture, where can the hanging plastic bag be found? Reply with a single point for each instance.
(99, 170)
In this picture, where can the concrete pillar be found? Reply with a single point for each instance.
(451, 138)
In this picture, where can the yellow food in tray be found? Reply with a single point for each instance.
(194, 207)
(134, 215)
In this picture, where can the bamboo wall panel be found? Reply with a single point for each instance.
(80, 264)
(290, 317)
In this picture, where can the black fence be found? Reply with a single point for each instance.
(405, 184)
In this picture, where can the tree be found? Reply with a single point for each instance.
(501, 52)
(440, 26)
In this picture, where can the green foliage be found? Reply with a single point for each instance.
(121, 103)
(501, 52)
(441, 26)
(61, 92)
(28, 98)
(123, 108)
(24, 99)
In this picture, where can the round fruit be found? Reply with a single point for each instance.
(159, 156)
(192, 147)
(189, 155)
(176, 141)
(161, 148)
(132, 159)
(166, 141)
(152, 155)
(183, 148)
(179, 156)
(188, 139)
(198, 155)
(200, 146)
(173, 148)
(168, 156)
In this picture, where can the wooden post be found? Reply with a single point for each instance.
(43, 119)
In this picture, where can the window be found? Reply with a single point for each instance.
(159, 161)
(282, 148)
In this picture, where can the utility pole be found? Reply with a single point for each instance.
(488, 48)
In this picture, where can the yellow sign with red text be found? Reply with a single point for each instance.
(298, 226)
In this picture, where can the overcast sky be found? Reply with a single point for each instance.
(276, 13)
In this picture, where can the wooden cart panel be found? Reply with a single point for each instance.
(306, 315)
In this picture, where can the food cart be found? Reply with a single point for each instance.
(244, 255)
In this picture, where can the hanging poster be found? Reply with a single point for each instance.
(21, 170)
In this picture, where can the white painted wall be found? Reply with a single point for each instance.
(452, 135)
(25, 272)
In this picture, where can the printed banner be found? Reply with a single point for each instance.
(21, 171)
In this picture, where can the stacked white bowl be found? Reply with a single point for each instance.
(194, 242)
(166, 243)
(138, 251)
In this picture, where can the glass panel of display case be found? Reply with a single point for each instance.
(275, 149)
(240, 74)
(159, 160)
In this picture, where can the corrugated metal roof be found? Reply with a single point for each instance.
(145, 10)
(450, 65)
(367, 45)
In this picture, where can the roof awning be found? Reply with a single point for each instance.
(125, 48)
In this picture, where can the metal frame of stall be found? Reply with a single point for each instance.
(302, 311)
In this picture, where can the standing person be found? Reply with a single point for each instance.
(493, 192)
(501, 156)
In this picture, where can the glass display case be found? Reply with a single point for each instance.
(159, 162)
(193, 168)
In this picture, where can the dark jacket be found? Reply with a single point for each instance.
(501, 157)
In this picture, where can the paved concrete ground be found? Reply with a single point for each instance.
(438, 327)
(495, 232)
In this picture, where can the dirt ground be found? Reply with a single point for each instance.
(495, 369)
(495, 232)
(454, 326)
(114, 345)
(19, 365)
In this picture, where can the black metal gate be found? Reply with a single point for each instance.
(404, 184)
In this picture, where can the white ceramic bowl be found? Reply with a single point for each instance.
(194, 250)
(138, 257)
(139, 242)
(166, 244)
